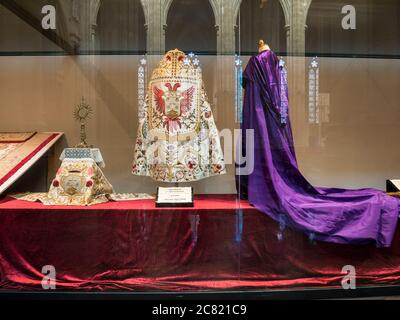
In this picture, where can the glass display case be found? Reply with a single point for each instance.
(200, 147)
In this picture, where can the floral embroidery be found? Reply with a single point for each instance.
(177, 138)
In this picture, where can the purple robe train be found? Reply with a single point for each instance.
(277, 188)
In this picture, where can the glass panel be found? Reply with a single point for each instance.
(331, 82)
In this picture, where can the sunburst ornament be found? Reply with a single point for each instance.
(83, 113)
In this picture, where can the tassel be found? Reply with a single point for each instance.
(238, 85)
(194, 225)
(282, 227)
(239, 225)
(142, 79)
(284, 107)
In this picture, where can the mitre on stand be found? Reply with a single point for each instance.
(79, 180)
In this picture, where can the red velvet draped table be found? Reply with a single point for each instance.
(221, 244)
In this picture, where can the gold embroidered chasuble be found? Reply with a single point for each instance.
(177, 139)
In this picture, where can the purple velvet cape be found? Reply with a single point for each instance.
(277, 188)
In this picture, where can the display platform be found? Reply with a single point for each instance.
(20, 151)
(134, 246)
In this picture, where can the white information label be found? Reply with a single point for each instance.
(175, 195)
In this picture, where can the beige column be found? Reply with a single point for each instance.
(226, 22)
(225, 27)
(87, 26)
(224, 110)
(156, 16)
(297, 26)
(296, 17)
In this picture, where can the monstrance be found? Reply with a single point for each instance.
(82, 114)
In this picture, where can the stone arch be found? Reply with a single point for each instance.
(307, 10)
(284, 3)
(95, 7)
(325, 34)
(236, 8)
(145, 8)
(94, 12)
(272, 17)
(200, 35)
(214, 4)
(286, 6)
(120, 25)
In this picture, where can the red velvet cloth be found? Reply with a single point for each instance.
(134, 246)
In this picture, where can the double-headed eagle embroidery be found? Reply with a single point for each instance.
(173, 104)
